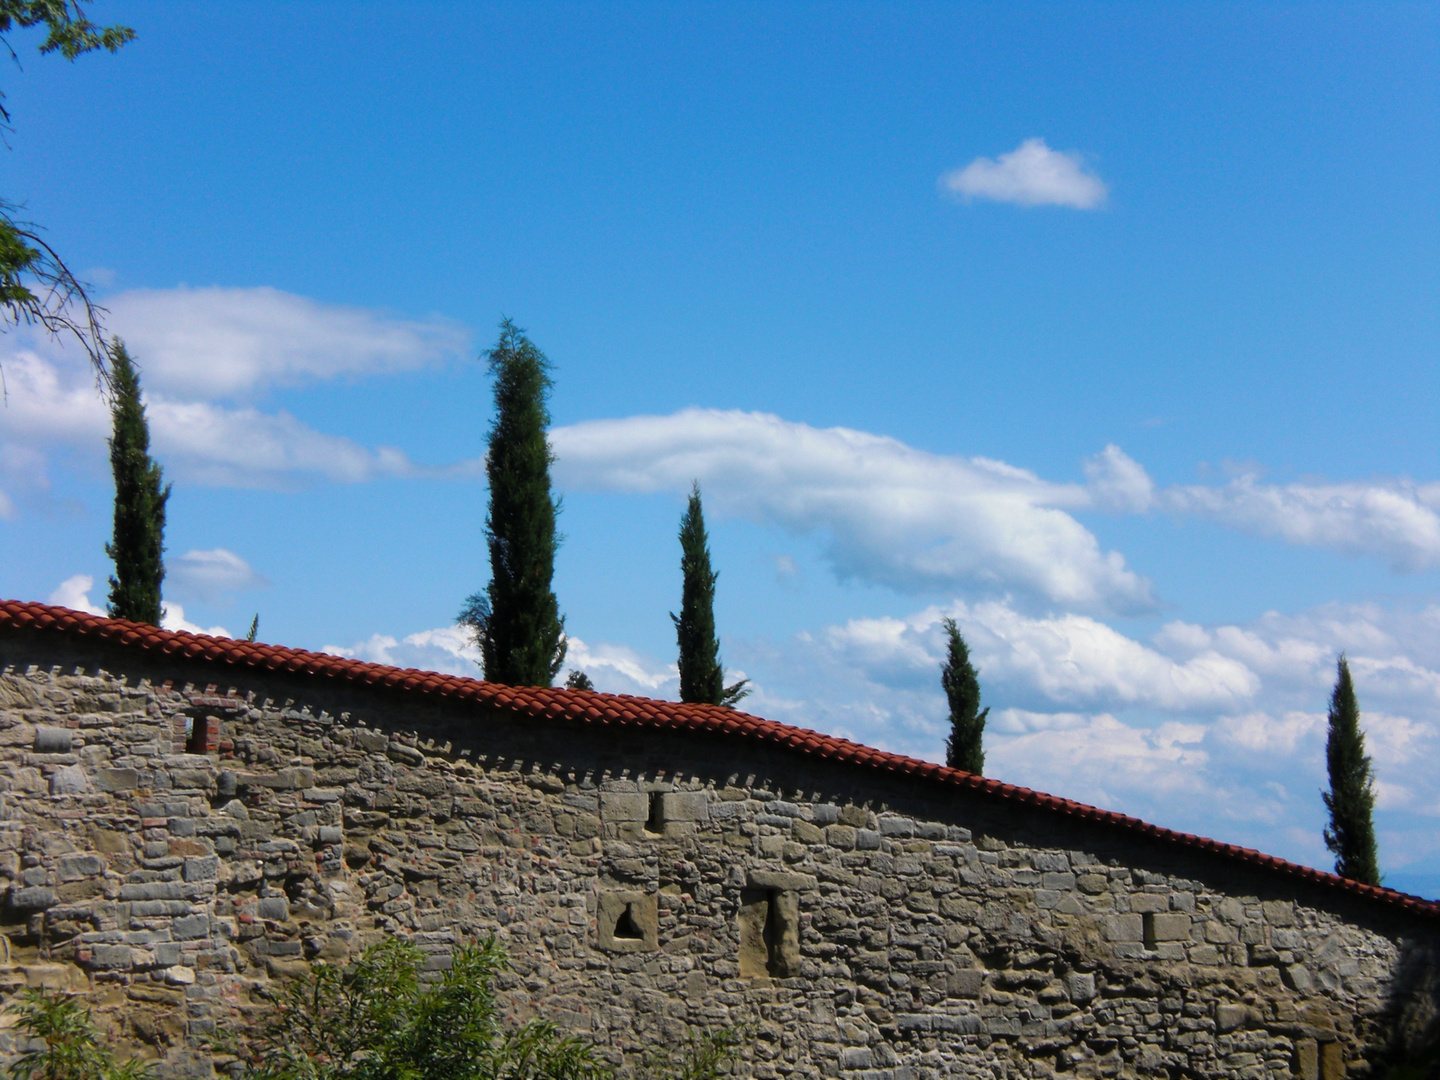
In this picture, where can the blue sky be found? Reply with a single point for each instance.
(1107, 329)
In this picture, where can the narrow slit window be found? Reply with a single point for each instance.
(655, 823)
(769, 934)
(1147, 923)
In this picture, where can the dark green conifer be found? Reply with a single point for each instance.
(578, 680)
(965, 748)
(516, 620)
(702, 679)
(138, 544)
(1351, 798)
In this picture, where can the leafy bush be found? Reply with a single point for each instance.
(72, 1048)
(377, 1019)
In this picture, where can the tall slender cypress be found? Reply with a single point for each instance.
(516, 620)
(965, 748)
(702, 679)
(138, 544)
(1351, 798)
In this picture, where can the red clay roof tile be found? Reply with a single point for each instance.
(591, 707)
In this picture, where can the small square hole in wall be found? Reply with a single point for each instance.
(202, 734)
(627, 922)
(769, 933)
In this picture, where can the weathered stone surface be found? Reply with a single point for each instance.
(645, 888)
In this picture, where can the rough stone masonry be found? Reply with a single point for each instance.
(185, 822)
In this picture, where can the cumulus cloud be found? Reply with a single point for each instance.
(234, 342)
(74, 592)
(1030, 175)
(209, 575)
(1060, 659)
(172, 617)
(1392, 520)
(614, 669)
(890, 514)
(53, 402)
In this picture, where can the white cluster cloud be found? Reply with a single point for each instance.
(197, 349)
(212, 343)
(1391, 519)
(1031, 175)
(891, 514)
(209, 575)
(614, 669)
(74, 592)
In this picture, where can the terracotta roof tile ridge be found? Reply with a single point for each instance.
(589, 706)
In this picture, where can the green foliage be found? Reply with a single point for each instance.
(578, 680)
(72, 1049)
(1351, 798)
(36, 287)
(378, 1020)
(254, 628)
(965, 748)
(138, 545)
(702, 679)
(517, 621)
(703, 1057)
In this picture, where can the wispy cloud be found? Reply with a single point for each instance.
(891, 514)
(211, 343)
(210, 575)
(1030, 175)
(1391, 519)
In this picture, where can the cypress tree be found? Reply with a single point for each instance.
(516, 620)
(138, 544)
(702, 679)
(965, 747)
(1351, 798)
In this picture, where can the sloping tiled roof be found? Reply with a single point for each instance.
(587, 706)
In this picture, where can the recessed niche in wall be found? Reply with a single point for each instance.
(627, 922)
(769, 933)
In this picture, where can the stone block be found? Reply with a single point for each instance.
(191, 927)
(1305, 1063)
(79, 866)
(206, 868)
(894, 825)
(117, 779)
(624, 806)
(1229, 1016)
(372, 742)
(1124, 928)
(1055, 862)
(52, 740)
(966, 984)
(867, 840)
(35, 898)
(1146, 903)
(1057, 880)
(856, 1057)
(779, 879)
(1297, 977)
(684, 806)
(1332, 1061)
(273, 908)
(627, 922)
(69, 780)
(1170, 926)
(1279, 912)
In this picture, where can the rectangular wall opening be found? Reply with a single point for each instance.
(655, 822)
(1147, 922)
(769, 934)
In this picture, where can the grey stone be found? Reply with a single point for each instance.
(37, 898)
(117, 779)
(69, 780)
(867, 839)
(191, 927)
(52, 740)
(274, 908)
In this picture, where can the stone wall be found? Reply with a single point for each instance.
(176, 836)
